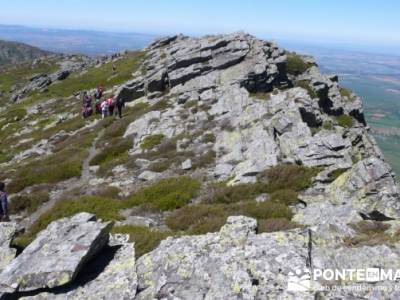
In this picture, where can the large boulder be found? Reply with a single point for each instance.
(7, 254)
(234, 263)
(57, 254)
(118, 280)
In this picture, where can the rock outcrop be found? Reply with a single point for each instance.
(7, 254)
(224, 108)
(56, 255)
(261, 116)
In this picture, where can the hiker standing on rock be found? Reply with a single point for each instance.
(3, 203)
(120, 104)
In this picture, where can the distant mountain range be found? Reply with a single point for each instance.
(13, 52)
(75, 41)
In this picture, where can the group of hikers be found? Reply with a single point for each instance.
(103, 105)
(3, 204)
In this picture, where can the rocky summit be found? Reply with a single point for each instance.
(235, 164)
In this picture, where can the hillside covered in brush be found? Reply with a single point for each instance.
(240, 157)
(14, 52)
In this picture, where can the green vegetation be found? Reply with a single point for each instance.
(145, 238)
(371, 233)
(203, 218)
(113, 150)
(102, 75)
(151, 141)
(64, 163)
(336, 173)
(345, 121)
(166, 194)
(21, 73)
(276, 224)
(346, 93)
(327, 125)
(104, 208)
(295, 64)
(209, 138)
(305, 84)
(29, 202)
(293, 177)
(261, 96)
(281, 182)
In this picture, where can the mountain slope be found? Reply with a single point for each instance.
(213, 128)
(13, 52)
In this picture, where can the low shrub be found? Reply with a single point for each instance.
(166, 194)
(285, 196)
(151, 141)
(261, 96)
(295, 64)
(278, 224)
(198, 219)
(104, 208)
(344, 92)
(327, 125)
(345, 121)
(145, 239)
(221, 193)
(293, 177)
(203, 218)
(336, 173)
(208, 138)
(29, 202)
(371, 233)
(112, 150)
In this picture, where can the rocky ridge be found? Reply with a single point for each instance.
(235, 106)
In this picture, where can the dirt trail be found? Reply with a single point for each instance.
(68, 185)
(92, 153)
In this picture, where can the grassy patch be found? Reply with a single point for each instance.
(295, 64)
(96, 76)
(261, 96)
(203, 218)
(65, 163)
(336, 173)
(344, 92)
(292, 177)
(151, 141)
(345, 121)
(277, 224)
(166, 194)
(208, 138)
(327, 125)
(145, 238)
(29, 202)
(104, 208)
(371, 233)
(113, 150)
(21, 73)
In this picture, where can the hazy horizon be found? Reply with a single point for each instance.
(356, 24)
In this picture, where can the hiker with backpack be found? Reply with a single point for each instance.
(104, 108)
(111, 105)
(86, 105)
(120, 104)
(98, 95)
(3, 203)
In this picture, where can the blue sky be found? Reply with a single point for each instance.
(352, 21)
